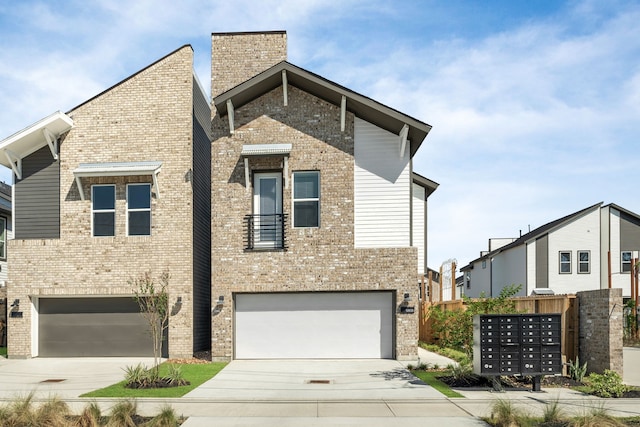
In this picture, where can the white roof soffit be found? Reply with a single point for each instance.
(85, 170)
(32, 138)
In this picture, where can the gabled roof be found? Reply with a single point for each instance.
(366, 108)
(429, 185)
(538, 232)
(626, 211)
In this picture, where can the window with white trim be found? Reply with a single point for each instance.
(584, 262)
(565, 262)
(3, 238)
(306, 199)
(138, 209)
(103, 210)
(625, 261)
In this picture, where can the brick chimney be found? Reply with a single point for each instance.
(236, 57)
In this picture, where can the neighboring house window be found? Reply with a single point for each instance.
(139, 209)
(3, 238)
(306, 199)
(565, 262)
(584, 262)
(484, 263)
(625, 262)
(103, 209)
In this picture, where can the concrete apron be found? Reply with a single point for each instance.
(295, 380)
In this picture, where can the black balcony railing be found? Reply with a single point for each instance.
(265, 232)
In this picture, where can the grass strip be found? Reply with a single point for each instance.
(3, 351)
(431, 378)
(196, 374)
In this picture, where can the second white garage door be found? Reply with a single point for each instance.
(314, 325)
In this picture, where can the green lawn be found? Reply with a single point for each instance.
(196, 374)
(431, 379)
(3, 351)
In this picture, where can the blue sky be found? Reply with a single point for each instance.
(535, 105)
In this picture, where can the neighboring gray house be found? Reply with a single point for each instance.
(568, 255)
(6, 233)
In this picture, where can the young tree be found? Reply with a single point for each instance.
(153, 300)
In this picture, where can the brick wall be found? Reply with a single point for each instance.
(236, 57)
(148, 117)
(601, 329)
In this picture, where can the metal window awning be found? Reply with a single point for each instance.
(32, 138)
(85, 170)
(266, 150)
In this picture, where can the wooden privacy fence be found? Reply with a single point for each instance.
(566, 305)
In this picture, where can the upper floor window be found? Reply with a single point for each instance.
(625, 261)
(306, 199)
(584, 262)
(139, 209)
(103, 210)
(565, 262)
(3, 238)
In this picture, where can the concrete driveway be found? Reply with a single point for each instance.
(294, 380)
(62, 377)
(631, 373)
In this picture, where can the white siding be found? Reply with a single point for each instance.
(618, 279)
(509, 268)
(531, 267)
(580, 234)
(480, 280)
(419, 229)
(382, 181)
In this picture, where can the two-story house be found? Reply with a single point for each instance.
(115, 187)
(314, 209)
(586, 250)
(286, 212)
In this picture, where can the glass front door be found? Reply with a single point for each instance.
(267, 208)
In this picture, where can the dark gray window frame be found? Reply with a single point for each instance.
(129, 210)
(623, 262)
(561, 263)
(313, 199)
(588, 262)
(93, 211)
(3, 253)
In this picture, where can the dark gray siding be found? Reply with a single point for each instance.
(37, 197)
(542, 262)
(81, 327)
(201, 221)
(629, 232)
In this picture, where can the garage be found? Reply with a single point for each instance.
(85, 327)
(314, 325)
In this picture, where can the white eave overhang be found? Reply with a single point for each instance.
(86, 170)
(266, 150)
(29, 140)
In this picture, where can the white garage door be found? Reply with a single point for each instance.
(318, 325)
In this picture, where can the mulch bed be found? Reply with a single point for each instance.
(520, 383)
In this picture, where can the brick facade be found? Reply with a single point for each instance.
(317, 259)
(148, 117)
(601, 329)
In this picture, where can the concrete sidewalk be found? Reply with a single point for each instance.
(258, 393)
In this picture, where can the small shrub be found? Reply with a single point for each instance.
(91, 416)
(461, 372)
(52, 413)
(596, 416)
(608, 384)
(410, 367)
(577, 372)
(22, 411)
(122, 414)
(423, 367)
(174, 375)
(505, 414)
(166, 418)
(553, 413)
(138, 376)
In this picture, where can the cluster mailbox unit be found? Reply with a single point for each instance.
(517, 344)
